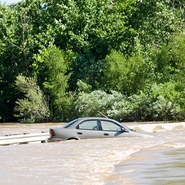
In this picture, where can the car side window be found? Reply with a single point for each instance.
(110, 126)
(88, 125)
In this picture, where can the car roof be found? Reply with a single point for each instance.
(98, 118)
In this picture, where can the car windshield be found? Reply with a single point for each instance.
(70, 123)
(125, 126)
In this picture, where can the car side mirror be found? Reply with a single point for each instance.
(124, 130)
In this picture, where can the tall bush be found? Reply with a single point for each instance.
(126, 75)
(51, 67)
(32, 107)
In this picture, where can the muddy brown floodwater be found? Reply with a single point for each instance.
(115, 161)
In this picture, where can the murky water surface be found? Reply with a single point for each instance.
(151, 160)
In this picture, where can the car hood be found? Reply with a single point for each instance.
(141, 134)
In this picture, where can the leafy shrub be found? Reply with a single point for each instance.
(130, 108)
(163, 109)
(165, 102)
(96, 102)
(159, 103)
(33, 106)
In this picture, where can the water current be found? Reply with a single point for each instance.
(115, 161)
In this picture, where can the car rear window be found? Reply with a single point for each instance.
(70, 123)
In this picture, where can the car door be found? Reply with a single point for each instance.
(111, 129)
(88, 129)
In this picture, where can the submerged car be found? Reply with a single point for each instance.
(92, 127)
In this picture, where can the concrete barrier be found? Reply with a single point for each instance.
(23, 138)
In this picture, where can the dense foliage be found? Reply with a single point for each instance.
(33, 107)
(71, 58)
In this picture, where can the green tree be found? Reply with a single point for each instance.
(126, 75)
(169, 61)
(88, 68)
(87, 25)
(8, 64)
(177, 61)
(148, 22)
(50, 67)
(127, 43)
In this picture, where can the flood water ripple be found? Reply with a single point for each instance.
(112, 161)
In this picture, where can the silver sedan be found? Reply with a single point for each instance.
(92, 127)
